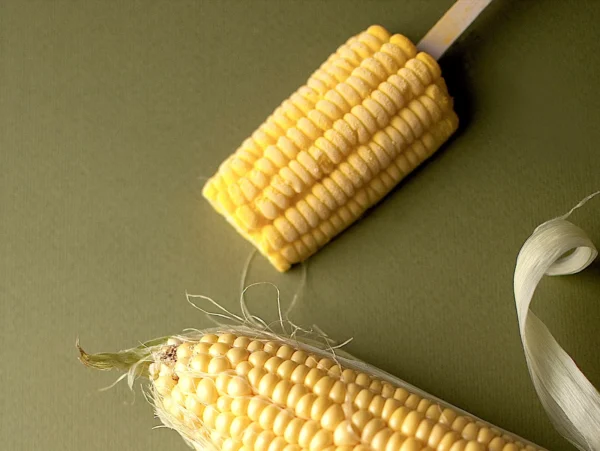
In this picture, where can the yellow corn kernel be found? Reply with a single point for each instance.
(366, 118)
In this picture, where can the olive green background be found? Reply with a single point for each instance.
(113, 113)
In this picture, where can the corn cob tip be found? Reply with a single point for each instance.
(135, 361)
(102, 362)
(84, 357)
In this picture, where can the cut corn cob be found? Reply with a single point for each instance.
(242, 390)
(365, 119)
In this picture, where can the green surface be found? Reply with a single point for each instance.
(111, 115)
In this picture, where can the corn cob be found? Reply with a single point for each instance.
(249, 391)
(365, 119)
